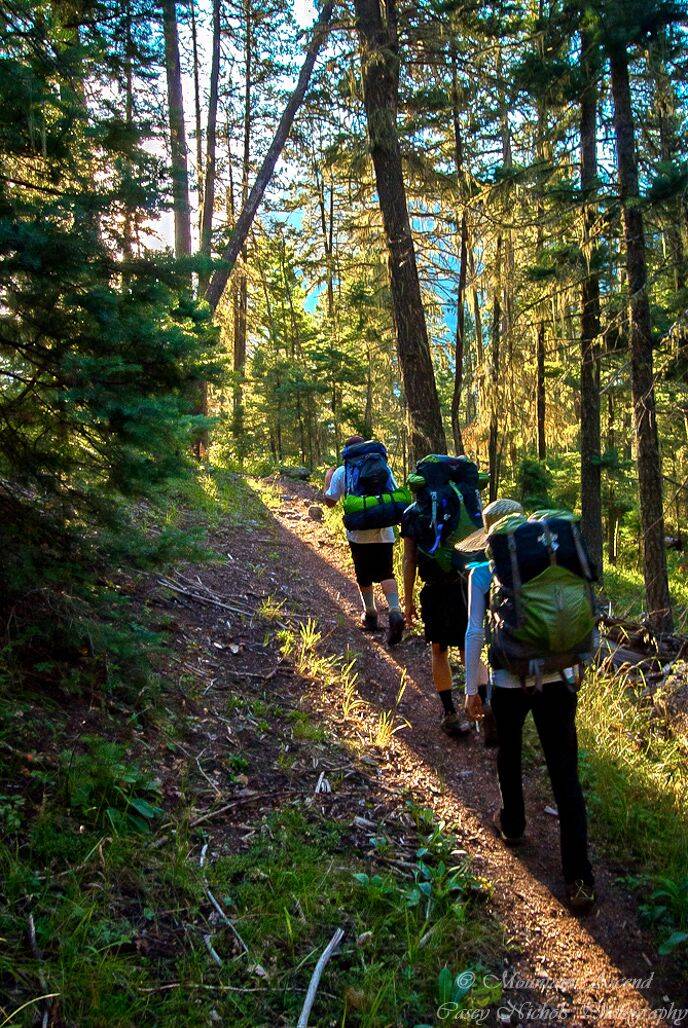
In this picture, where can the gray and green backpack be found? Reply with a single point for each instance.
(542, 607)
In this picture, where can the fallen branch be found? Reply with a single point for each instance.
(213, 785)
(226, 920)
(29, 1002)
(205, 599)
(197, 985)
(239, 802)
(213, 952)
(41, 975)
(262, 675)
(329, 951)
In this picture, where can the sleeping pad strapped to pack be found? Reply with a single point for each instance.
(370, 500)
(542, 608)
(446, 510)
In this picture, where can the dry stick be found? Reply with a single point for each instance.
(236, 803)
(226, 920)
(39, 960)
(213, 785)
(213, 952)
(262, 675)
(205, 599)
(329, 951)
(198, 985)
(29, 1002)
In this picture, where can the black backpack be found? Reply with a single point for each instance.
(446, 508)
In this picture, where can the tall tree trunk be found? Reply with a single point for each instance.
(591, 471)
(180, 179)
(241, 282)
(326, 225)
(541, 395)
(197, 112)
(380, 66)
(240, 329)
(460, 336)
(128, 226)
(670, 150)
(463, 258)
(175, 100)
(208, 207)
(540, 386)
(642, 374)
(248, 213)
(493, 441)
(368, 422)
(477, 314)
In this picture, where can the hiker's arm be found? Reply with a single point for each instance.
(329, 497)
(475, 632)
(410, 564)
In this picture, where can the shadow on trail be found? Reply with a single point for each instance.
(466, 778)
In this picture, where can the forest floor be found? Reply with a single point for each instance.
(294, 780)
(598, 970)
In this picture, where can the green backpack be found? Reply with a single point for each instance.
(542, 607)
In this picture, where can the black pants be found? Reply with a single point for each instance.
(554, 713)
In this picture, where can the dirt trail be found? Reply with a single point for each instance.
(601, 970)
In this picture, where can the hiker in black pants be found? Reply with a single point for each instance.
(553, 705)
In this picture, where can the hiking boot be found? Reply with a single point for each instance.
(369, 622)
(397, 622)
(489, 729)
(509, 840)
(580, 896)
(453, 726)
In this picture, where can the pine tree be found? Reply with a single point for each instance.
(99, 344)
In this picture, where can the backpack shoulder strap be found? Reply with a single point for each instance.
(347, 478)
(515, 577)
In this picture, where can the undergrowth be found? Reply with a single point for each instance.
(637, 791)
(104, 906)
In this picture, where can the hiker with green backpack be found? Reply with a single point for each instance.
(373, 504)
(535, 593)
(446, 510)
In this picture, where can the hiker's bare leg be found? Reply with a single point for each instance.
(442, 677)
(391, 591)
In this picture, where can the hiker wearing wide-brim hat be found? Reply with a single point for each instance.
(492, 514)
(548, 696)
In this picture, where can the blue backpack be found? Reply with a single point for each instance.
(366, 471)
(370, 499)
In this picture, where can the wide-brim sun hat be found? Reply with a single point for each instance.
(493, 513)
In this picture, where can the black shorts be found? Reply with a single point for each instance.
(373, 562)
(444, 610)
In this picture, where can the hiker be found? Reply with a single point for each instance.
(372, 505)
(446, 509)
(537, 586)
